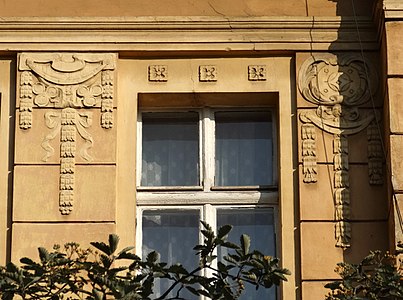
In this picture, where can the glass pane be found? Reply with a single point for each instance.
(170, 149)
(244, 149)
(258, 223)
(173, 234)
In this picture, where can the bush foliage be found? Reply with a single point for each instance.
(103, 272)
(376, 277)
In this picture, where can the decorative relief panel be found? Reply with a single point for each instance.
(338, 85)
(309, 153)
(257, 73)
(207, 73)
(67, 82)
(157, 73)
(375, 155)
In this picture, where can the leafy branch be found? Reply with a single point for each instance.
(103, 272)
(376, 277)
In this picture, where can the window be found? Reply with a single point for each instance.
(217, 165)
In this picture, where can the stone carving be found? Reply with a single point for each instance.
(66, 82)
(26, 102)
(207, 73)
(330, 79)
(337, 85)
(68, 122)
(257, 73)
(309, 168)
(341, 195)
(375, 155)
(157, 73)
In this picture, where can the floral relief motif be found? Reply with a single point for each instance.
(77, 80)
(44, 94)
(69, 122)
(309, 168)
(207, 73)
(341, 196)
(375, 155)
(66, 82)
(88, 94)
(338, 85)
(257, 73)
(158, 73)
(26, 102)
(107, 99)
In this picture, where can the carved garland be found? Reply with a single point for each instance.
(66, 82)
(337, 85)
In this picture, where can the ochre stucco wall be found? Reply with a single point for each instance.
(394, 125)
(85, 8)
(105, 187)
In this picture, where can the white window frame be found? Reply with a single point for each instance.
(206, 150)
(208, 213)
(206, 197)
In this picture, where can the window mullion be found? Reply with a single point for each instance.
(139, 232)
(210, 218)
(139, 150)
(208, 148)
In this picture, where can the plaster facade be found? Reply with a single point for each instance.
(74, 75)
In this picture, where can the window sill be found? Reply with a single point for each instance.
(168, 188)
(245, 188)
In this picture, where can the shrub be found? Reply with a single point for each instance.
(102, 272)
(376, 277)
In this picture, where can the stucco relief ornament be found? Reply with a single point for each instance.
(207, 73)
(257, 73)
(158, 73)
(337, 85)
(66, 82)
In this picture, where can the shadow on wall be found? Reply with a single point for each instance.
(345, 103)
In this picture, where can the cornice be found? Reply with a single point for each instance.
(393, 9)
(186, 33)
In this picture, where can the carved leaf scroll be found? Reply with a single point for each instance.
(309, 153)
(338, 85)
(79, 80)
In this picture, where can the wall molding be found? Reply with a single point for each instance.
(187, 33)
(393, 9)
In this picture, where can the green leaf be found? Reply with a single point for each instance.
(106, 261)
(113, 242)
(97, 294)
(206, 226)
(102, 247)
(127, 249)
(245, 243)
(223, 231)
(229, 245)
(152, 257)
(128, 255)
(27, 261)
(178, 269)
(193, 290)
(43, 254)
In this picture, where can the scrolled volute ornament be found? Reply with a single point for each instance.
(330, 79)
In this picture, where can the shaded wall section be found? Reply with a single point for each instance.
(343, 181)
(393, 58)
